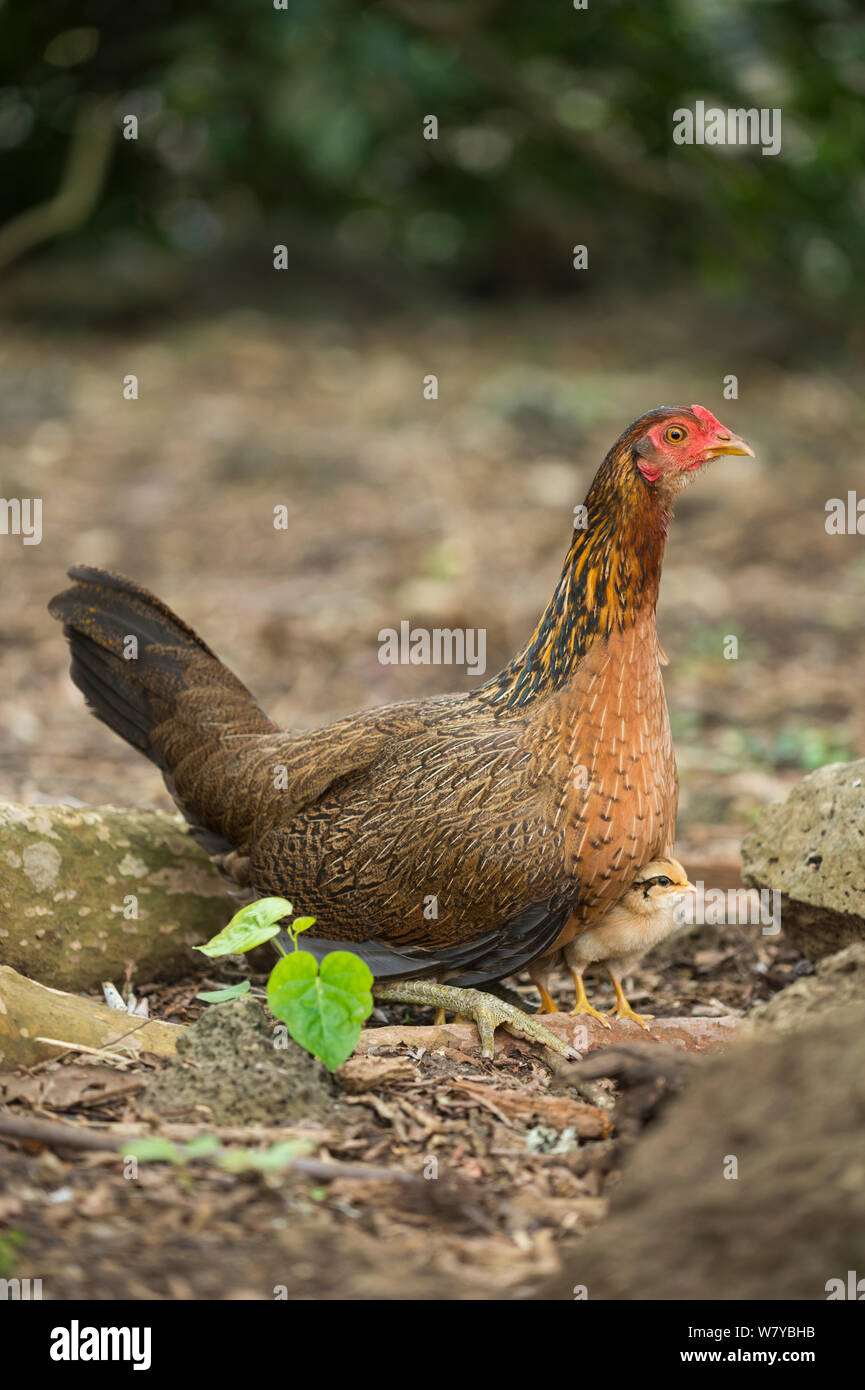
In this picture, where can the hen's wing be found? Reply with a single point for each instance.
(435, 856)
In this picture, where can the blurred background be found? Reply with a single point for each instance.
(304, 128)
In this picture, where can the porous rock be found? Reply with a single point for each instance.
(811, 847)
(86, 891)
(837, 985)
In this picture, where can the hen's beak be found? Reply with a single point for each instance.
(729, 444)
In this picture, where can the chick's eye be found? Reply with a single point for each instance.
(675, 434)
(664, 882)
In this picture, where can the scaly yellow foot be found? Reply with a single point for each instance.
(583, 1006)
(628, 1012)
(623, 1008)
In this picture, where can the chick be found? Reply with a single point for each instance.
(638, 921)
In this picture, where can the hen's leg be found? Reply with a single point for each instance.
(623, 1008)
(548, 1003)
(582, 1005)
(540, 973)
(486, 1010)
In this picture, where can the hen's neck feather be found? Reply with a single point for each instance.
(611, 575)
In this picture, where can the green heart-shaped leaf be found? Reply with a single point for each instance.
(249, 927)
(324, 1009)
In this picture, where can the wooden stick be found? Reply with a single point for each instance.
(35, 1019)
(55, 1135)
(580, 1030)
(60, 1136)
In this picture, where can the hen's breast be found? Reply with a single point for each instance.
(605, 742)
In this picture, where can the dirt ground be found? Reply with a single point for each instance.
(785, 1221)
(494, 1164)
(453, 513)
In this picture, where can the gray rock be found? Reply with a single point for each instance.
(812, 848)
(84, 891)
(835, 988)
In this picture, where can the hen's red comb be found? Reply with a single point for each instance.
(706, 418)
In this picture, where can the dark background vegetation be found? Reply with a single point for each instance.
(554, 122)
(304, 127)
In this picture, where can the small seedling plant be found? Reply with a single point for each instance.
(322, 1006)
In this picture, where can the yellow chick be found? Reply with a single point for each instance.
(644, 916)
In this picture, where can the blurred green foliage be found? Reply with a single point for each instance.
(796, 747)
(304, 125)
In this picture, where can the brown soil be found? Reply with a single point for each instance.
(501, 1180)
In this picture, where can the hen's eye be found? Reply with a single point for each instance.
(675, 434)
(664, 882)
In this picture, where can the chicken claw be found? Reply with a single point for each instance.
(623, 1008)
(583, 1006)
(592, 1012)
(486, 1010)
(625, 1011)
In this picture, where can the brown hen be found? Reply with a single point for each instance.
(449, 841)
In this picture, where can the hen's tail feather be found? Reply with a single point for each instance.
(150, 609)
(152, 691)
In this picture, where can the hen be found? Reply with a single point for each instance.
(448, 841)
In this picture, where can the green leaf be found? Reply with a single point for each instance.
(151, 1150)
(155, 1149)
(202, 1146)
(323, 1010)
(280, 1155)
(221, 996)
(302, 924)
(249, 927)
(10, 1246)
(272, 1159)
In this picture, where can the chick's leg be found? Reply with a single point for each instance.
(623, 1008)
(582, 1005)
(486, 1010)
